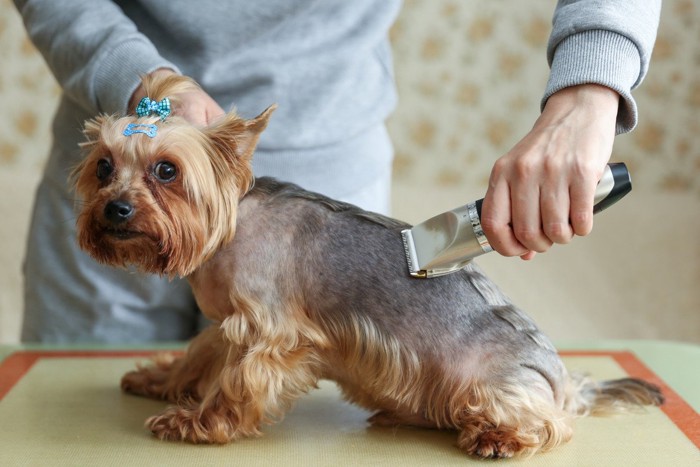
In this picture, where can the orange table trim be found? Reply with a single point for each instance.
(18, 364)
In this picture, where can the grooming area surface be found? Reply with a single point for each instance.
(65, 408)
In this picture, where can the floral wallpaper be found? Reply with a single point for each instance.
(470, 77)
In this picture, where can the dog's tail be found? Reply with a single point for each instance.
(597, 398)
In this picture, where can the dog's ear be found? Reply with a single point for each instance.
(235, 137)
(232, 142)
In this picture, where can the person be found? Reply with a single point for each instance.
(327, 64)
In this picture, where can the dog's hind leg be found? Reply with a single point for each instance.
(510, 417)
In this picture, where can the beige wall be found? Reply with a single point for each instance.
(470, 76)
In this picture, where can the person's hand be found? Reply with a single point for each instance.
(541, 192)
(195, 106)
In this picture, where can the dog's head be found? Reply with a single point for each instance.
(163, 194)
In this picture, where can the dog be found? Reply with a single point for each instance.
(301, 287)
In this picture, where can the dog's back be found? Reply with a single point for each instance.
(446, 352)
(354, 263)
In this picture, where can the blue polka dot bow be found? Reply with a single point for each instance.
(148, 107)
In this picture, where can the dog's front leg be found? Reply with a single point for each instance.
(256, 385)
(216, 419)
(189, 376)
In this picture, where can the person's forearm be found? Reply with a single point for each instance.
(608, 44)
(94, 51)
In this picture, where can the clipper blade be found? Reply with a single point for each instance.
(411, 256)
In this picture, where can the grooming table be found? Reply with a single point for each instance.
(64, 407)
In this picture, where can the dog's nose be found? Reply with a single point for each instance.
(118, 211)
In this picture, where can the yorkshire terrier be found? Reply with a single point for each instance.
(301, 287)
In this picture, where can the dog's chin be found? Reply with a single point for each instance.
(125, 247)
(122, 234)
(122, 247)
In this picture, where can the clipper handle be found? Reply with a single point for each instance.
(615, 183)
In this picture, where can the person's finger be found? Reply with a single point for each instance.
(526, 216)
(582, 193)
(555, 209)
(198, 108)
(528, 256)
(496, 220)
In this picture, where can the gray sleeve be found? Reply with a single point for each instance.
(94, 51)
(607, 42)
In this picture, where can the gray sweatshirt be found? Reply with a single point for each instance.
(326, 63)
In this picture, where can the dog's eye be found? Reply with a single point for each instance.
(165, 171)
(104, 169)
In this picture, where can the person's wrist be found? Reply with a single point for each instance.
(589, 96)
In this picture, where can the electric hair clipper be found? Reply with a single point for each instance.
(449, 241)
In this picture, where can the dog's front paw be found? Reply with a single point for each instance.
(140, 383)
(152, 380)
(147, 382)
(177, 424)
(193, 426)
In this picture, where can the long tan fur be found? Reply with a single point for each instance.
(301, 287)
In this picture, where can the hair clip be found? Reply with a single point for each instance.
(147, 107)
(149, 130)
